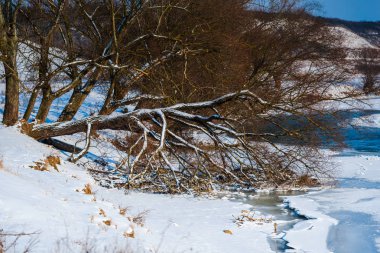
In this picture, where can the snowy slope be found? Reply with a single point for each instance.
(51, 207)
(351, 40)
(62, 218)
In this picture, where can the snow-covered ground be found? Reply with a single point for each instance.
(345, 218)
(350, 39)
(52, 207)
(55, 214)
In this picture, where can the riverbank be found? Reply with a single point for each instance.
(345, 218)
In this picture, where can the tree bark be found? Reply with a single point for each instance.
(31, 103)
(78, 97)
(61, 146)
(8, 48)
(44, 131)
(44, 108)
(12, 90)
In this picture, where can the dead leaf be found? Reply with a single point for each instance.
(107, 222)
(227, 232)
(101, 212)
(122, 211)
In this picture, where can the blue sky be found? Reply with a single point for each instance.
(355, 10)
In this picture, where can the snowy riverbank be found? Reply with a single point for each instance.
(62, 218)
(52, 208)
(346, 218)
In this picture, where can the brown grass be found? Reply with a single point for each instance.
(139, 219)
(53, 161)
(87, 189)
(101, 212)
(130, 234)
(250, 216)
(308, 181)
(40, 166)
(45, 165)
(123, 211)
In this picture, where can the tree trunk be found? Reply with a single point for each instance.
(118, 93)
(8, 48)
(132, 121)
(44, 131)
(78, 97)
(106, 108)
(31, 103)
(73, 105)
(46, 102)
(12, 90)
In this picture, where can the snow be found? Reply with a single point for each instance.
(52, 205)
(327, 209)
(350, 39)
(345, 218)
(316, 227)
(59, 217)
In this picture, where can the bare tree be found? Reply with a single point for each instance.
(8, 47)
(219, 86)
(41, 25)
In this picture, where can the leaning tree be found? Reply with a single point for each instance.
(224, 93)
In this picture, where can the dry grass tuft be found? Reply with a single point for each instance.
(308, 181)
(139, 219)
(249, 216)
(123, 211)
(102, 213)
(49, 162)
(87, 189)
(9, 240)
(40, 166)
(130, 233)
(53, 161)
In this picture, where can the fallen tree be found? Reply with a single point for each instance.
(218, 87)
(162, 155)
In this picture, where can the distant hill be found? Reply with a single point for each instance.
(368, 30)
